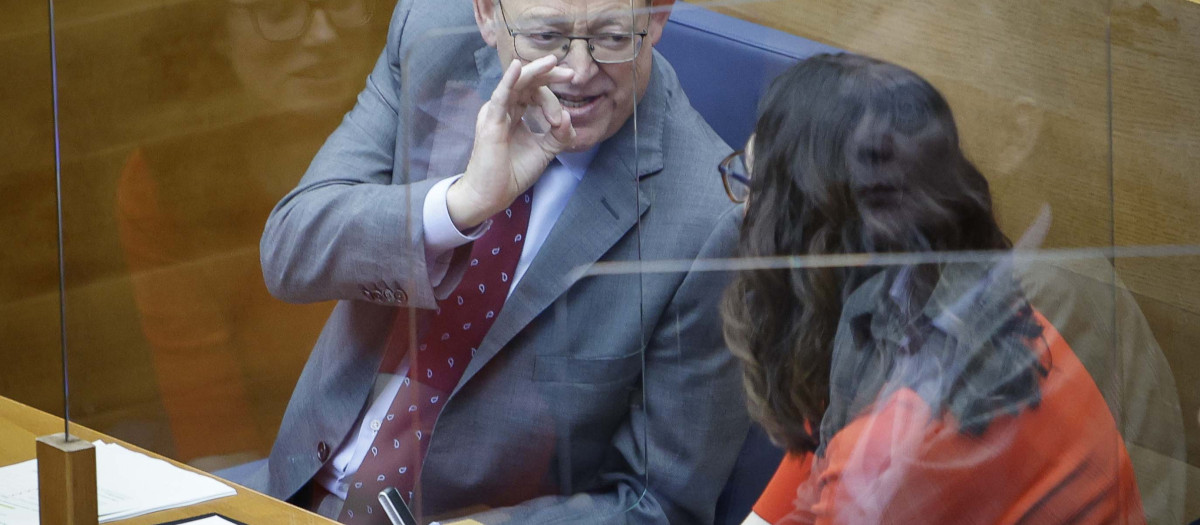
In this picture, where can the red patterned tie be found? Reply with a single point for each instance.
(454, 332)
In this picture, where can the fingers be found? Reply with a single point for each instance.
(521, 85)
(503, 97)
(549, 116)
(535, 121)
(552, 110)
(557, 116)
(541, 72)
(564, 131)
(525, 86)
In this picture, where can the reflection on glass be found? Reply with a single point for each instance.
(283, 20)
(29, 306)
(931, 392)
(193, 195)
(185, 122)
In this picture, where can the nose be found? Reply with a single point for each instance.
(878, 151)
(320, 30)
(579, 60)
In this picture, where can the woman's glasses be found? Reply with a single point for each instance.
(735, 176)
(283, 20)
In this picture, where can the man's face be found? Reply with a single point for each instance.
(600, 98)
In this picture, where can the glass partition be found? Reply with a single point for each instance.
(1054, 104)
(183, 125)
(1155, 135)
(29, 304)
(245, 183)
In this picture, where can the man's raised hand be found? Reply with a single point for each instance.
(510, 151)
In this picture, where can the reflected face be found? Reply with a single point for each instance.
(983, 100)
(891, 181)
(600, 97)
(325, 66)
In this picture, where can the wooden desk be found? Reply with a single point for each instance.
(20, 425)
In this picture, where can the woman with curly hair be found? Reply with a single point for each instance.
(918, 391)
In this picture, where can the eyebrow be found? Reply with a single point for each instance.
(612, 15)
(557, 19)
(606, 20)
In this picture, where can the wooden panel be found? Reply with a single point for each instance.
(20, 425)
(1027, 81)
(1177, 329)
(1156, 143)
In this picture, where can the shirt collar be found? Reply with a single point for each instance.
(577, 162)
(963, 293)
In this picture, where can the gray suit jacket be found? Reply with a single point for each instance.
(574, 408)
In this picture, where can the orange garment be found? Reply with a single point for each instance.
(198, 371)
(190, 210)
(1062, 461)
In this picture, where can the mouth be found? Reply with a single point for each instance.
(319, 71)
(876, 195)
(577, 105)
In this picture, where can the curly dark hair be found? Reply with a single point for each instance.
(821, 125)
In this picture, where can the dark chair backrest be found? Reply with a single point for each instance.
(725, 64)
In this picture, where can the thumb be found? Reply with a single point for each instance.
(563, 134)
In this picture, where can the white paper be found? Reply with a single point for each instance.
(128, 484)
(211, 520)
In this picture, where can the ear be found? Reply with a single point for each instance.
(486, 14)
(1021, 135)
(660, 11)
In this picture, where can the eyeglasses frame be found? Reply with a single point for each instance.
(726, 174)
(641, 35)
(312, 5)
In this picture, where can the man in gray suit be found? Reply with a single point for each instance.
(601, 399)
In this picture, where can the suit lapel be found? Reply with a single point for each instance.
(605, 206)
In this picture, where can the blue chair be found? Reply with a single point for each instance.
(725, 65)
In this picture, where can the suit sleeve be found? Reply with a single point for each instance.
(353, 228)
(672, 455)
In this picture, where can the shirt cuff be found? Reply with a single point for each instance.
(441, 235)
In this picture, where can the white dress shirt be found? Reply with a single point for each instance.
(550, 195)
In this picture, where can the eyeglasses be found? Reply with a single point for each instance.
(604, 48)
(283, 20)
(735, 176)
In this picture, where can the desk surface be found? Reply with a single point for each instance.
(20, 426)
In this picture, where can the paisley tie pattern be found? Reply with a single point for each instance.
(454, 333)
